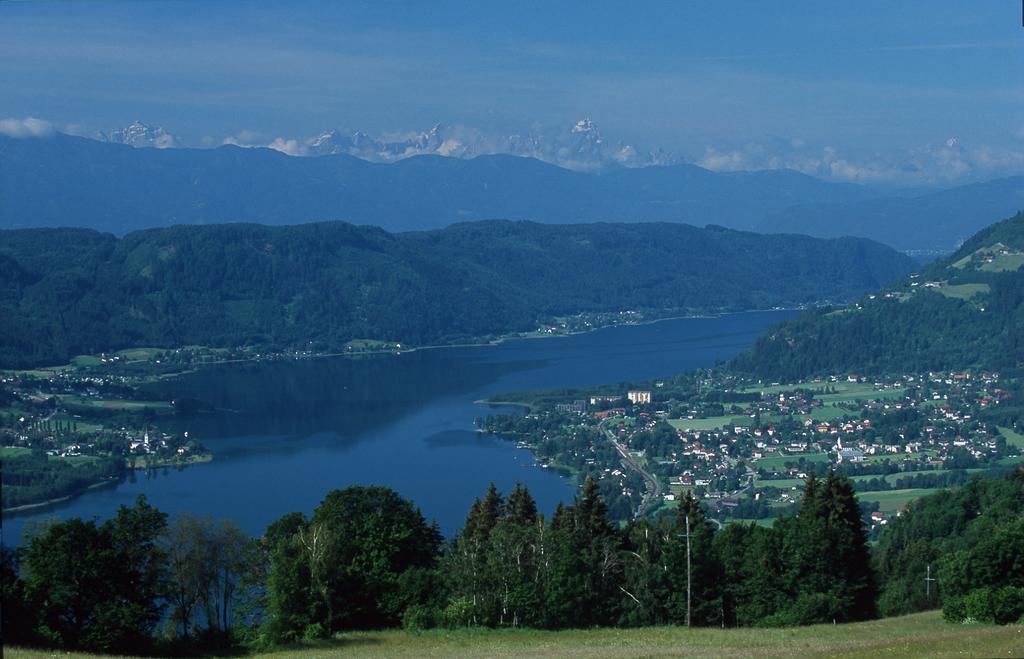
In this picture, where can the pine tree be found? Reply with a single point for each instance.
(584, 583)
(646, 588)
(469, 562)
(827, 574)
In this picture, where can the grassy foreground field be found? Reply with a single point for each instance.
(920, 635)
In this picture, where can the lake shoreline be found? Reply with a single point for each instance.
(307, 427)
(497, 341)
(67, 497)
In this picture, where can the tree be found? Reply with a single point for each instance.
(206, 562)
(827, 573)
(512, 559)
(98, 587)
(752, 574)
(583, 586)
(16, 616)
(343, 568)
(985, 581)
(469, 560)
(288, 603)
(646, 588)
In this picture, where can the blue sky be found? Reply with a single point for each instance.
(727, 84)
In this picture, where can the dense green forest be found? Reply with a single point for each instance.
(367, 559)
(313, 287)
(973, 539)
(966, 311)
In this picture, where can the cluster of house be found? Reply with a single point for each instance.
(69, 446)
(792, 423)
(145, 445)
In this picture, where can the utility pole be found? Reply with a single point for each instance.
(687, 569)
(928, 583)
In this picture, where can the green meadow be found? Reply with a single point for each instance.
(918, 635)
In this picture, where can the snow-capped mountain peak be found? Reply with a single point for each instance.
(139, 134)
(584, 126)
(579, 145)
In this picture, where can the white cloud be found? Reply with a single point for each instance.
(27, 127)
(723, 161)
(244, 138)
(948, 161)
(165, 141)
(251, 139)
(290, 147)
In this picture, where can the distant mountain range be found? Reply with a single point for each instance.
(581, 147)
(70, 181)
(70, 291)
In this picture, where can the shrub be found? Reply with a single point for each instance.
(313, 632)
(458, 613)
(418, 617)
(1001, 606)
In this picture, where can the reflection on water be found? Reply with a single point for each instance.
(348, 396)
(286, 433)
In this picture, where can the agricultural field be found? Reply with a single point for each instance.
(8, 452)
(852, 396)
(765, 521)
(780, 483)
(1012, 437)
(892, 478)
(819, 388)
(831, 413)
(786, 483)
(139, 354)
(115, 403)
(1004, 263)
(999, 263)
(711, 423)
(778, 462)
(893, 500)
(963, 291)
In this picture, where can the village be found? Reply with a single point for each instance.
(65, 430)
(71, 414)
(745, 448)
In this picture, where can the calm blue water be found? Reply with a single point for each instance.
(284, 434)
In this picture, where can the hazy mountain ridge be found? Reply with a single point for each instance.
(317, 286)
(69, 181)
(934, 220)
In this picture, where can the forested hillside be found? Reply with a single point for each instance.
(71, 291)
(966, 311)
(973, 540)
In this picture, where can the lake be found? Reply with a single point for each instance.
(286, 433)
